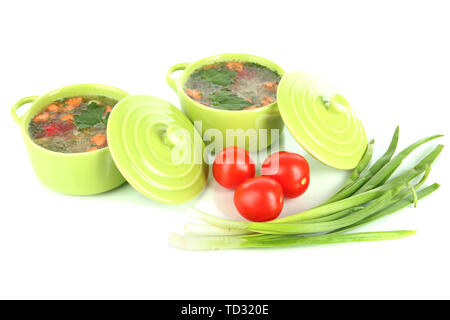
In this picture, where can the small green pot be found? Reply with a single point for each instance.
(267, 117)
(71, 173)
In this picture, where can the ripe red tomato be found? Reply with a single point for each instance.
(54, 129)
(51, 130)
(291, 170)
(232, 166)
(259, 199)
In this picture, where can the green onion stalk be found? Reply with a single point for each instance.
(360, 180)
(224, 242)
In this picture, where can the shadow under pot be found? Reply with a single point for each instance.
(222, 113)
(83, 169)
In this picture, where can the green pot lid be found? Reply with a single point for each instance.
(321, 120)
(157, 149)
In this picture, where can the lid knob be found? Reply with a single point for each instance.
(174, 136)
(336, 104)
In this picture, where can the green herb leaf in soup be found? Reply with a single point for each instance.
(93, 115)
(228, 101)
(221, 77)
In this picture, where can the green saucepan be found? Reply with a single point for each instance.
(71, 173)
(247, 124)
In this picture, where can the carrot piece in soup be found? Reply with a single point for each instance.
(209, 67)
(68, 108)
(251, 107)
(235, 66)
(41, 117)
(267, 100)
(272, 86)
(76, 101)
(108, 109)
(194, 93)
(67, 118)
(92, 149)
(72, 103)
(99, 139)
(197, 95)
(53, 108)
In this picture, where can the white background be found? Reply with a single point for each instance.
(390, 59)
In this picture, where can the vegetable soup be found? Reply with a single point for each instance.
(73, 125)
(233, 85)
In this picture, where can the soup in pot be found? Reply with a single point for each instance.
(73, 125)
(233, 85)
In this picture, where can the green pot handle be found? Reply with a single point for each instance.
(20, 103)
(172, 83)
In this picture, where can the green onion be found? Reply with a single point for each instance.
(356, 200)
(206, 229)
(362, 165)
(388, 169)
(335, 216)
(423, 166)
(385, 158)
(396, 206)
(214, 243)
(330, 208)
(299, 228)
